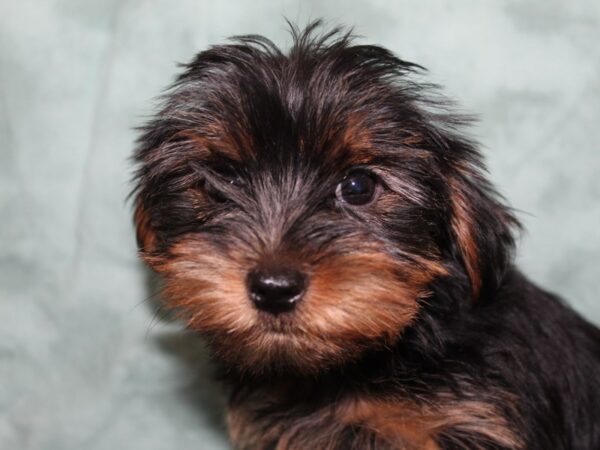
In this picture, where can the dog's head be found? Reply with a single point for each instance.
(300, 206)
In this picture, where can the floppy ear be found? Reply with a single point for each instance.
(146, 238)
(482, 226)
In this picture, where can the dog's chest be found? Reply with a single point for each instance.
(367, 424)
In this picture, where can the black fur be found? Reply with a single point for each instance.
(283, 113)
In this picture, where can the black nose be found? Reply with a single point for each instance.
(275, 290)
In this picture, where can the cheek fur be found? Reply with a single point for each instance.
(366, 295)
(207, 286)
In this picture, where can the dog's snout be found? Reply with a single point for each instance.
(276, 290)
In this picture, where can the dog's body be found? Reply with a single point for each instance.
(518, 372)
(331, 234)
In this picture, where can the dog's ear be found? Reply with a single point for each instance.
(146, 237)
(482, 228)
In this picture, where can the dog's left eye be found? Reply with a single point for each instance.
(358, 188)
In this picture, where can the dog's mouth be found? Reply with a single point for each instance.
(285, 323)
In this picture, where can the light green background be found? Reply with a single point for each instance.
(83, 365)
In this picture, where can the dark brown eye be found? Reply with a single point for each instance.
(358, 188)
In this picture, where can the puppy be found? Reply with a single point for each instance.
(322, 221)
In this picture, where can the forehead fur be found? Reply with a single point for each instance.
(250, 101)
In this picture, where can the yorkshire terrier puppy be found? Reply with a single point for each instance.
(323, 222)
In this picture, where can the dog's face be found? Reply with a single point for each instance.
(300, 206)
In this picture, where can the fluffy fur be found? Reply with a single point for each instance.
(416, 331)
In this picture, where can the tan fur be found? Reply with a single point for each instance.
(357, 139)
(396, 424)
(422, 424)
(463, 229)
(146, 238)
(346, 286)
(214, 138)
(412, 139)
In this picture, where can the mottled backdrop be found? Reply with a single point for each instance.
(85, 363)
